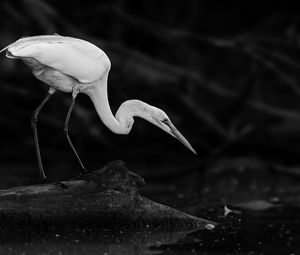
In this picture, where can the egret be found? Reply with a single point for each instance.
(75, 66)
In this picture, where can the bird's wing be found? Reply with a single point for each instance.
(77, 58)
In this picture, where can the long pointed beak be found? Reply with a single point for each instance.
(174, 132)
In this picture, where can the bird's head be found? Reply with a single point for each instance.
(156, 116)
(161, 120)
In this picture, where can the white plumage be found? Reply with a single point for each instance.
(77, 58)
(74, 65)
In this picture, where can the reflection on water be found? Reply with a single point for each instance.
(274, 231)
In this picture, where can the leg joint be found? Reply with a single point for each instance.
(66, 130)
(75, 91)
(34, 119)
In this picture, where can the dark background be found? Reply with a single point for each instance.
(226, 73)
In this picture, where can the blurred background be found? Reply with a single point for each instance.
(227, 74)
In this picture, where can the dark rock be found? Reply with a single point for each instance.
(107, 197)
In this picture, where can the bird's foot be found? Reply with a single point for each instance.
(83, 172)
(55, 182)
(80, 175)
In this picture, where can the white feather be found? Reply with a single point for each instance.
(79, 59)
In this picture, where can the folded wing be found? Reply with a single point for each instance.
(74, 57)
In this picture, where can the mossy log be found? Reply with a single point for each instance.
(107, 197)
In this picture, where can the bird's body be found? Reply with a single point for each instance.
(73, 65)
(61, 62)
(74, 57)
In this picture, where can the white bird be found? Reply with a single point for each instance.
(73, 65)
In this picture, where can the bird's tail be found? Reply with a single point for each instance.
(4, 49)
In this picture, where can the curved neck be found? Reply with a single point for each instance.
(123, 121)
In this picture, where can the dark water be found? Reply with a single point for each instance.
(86, 242)
(274, 230)
(264, 219)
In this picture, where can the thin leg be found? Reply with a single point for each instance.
(66, 130)
(35, 135)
